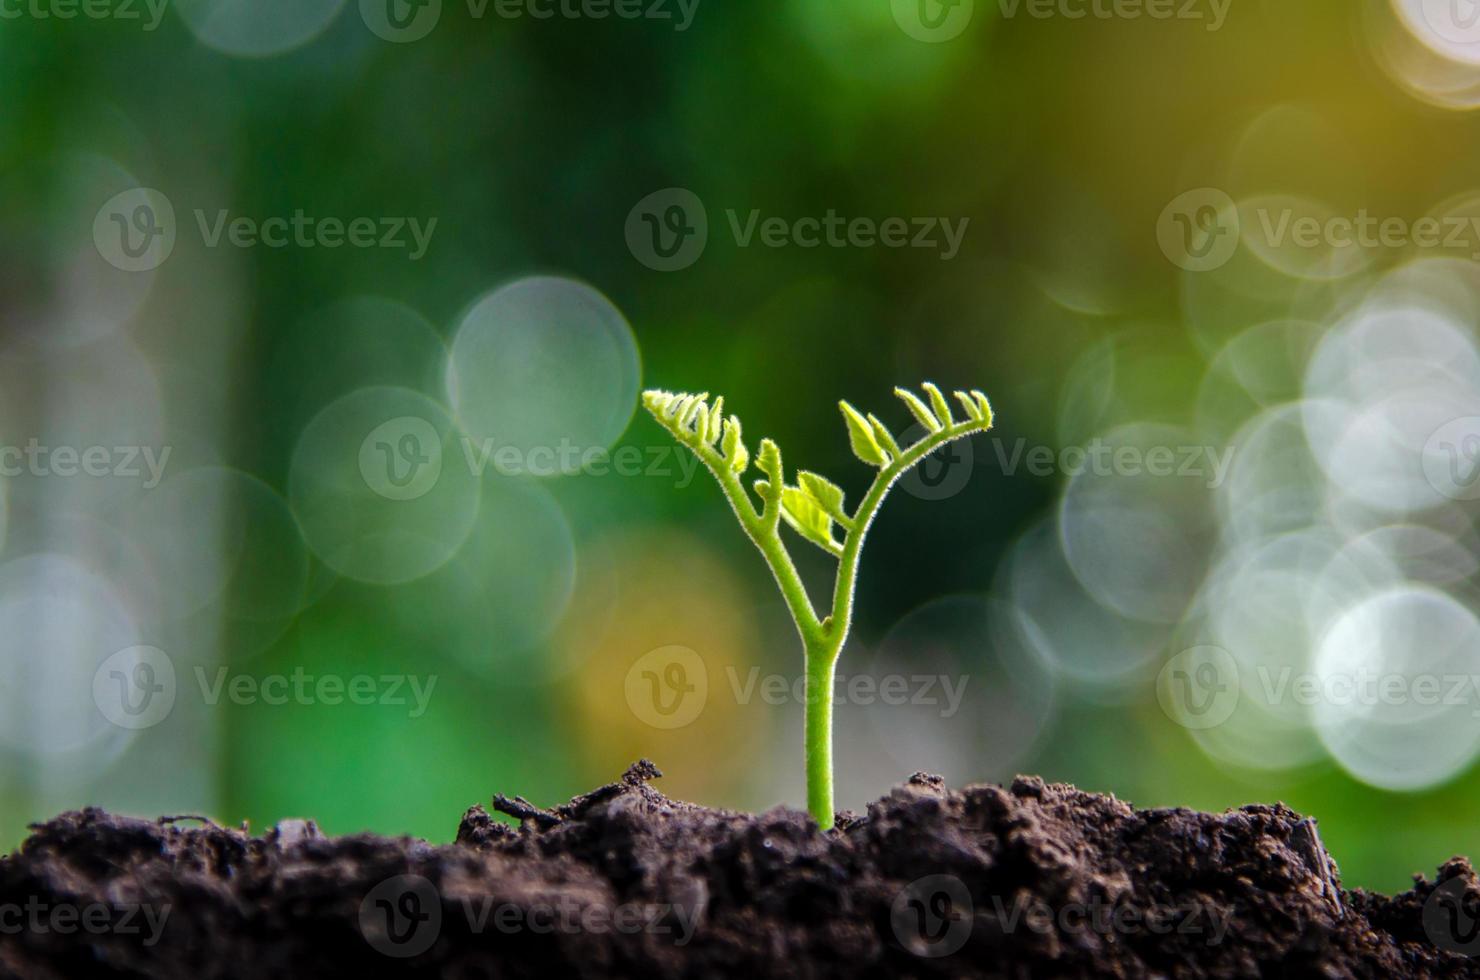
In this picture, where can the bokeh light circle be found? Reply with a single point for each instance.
(1416, 722)
(350, 518)
(547, 366)
(257, 28)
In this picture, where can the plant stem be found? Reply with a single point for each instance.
(822, 639)
(819, 705)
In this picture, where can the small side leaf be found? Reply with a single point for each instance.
(918, 409)
(808, 519)
(716, 420)
(972, 411)
(829, 495)
(938, 401)
(985, 406)
(861, 435)
(884, 437)
(692, 409)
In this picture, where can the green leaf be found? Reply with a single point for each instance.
(985, 406)
(883, 435)
(938, 401)
(716, 419)
(655, 400)
(918, 409)
(807, 518)
(861, 435)
(692, 409)
(972, 412)
(829, 495)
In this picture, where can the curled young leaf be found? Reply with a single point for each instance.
(769, 463)
(736, 455)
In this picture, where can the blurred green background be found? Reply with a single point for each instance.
(545, 150)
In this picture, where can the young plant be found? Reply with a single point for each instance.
(813, 508)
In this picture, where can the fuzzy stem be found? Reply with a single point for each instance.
(841, 619)
(819, 751)
(822, 639)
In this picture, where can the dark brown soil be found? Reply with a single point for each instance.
(1030, 880)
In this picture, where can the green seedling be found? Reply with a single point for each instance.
(813, 508)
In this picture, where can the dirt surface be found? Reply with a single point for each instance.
(1030, 880)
